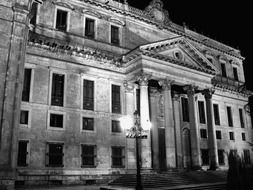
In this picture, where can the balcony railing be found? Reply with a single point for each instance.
(227, 82)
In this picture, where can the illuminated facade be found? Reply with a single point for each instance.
(88, 63)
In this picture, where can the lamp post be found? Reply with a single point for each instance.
(135, 130)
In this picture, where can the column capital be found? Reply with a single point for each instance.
(190, 89)
(143, 79)
(166, 83)
(129, 87)
(208, 93)
(175, 96)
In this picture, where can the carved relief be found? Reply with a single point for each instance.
(143, 79)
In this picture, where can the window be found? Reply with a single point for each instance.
(203, 133)
(223, 70)
(235, 73)
(26, 85)
(24, 116)
(202, 118)
(218, 135)
(22, 153)
(241, 118)
(243, 137)
(205, 156)
(231, 136)
(57, 95)
(88, 94)
(56, 120)
(34, 10)
(115, 35)
(138, 105)
(88, 123)
(88, 155)
(54, 155)
(230, 118)
(185, 109)
(221, 157)
(216, 114)
(118, 156)
(246, 156)
(61, 20)
(116, 126)
(116, 107)
(90, 28)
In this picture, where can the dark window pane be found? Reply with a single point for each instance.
(202, 117)
(203, 133)
(223, 70)
(205, 157)
(56, 120)
(55, 155)
(116, 126)
(57, 90)
(216, 114)
(235, 73)
(61, 20)
(116, 106)
(246, 156)
(26, 85)
(88, 155)
(117, 157)
(218, 135)
(241, 118)
(88, 95)
(138, 101)
(24, 115)
(185, 109)
(34, 13)
(221, 157)
(22, 153)
(243, 137)
(231, 136)
(90, 28)
(88, 123)
(230, 118)
(115, 35)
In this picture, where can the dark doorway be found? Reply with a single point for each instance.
(162, 149)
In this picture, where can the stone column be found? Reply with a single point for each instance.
(194, 130)
(129, 110)
(144, 119)
(169, 124)
(178, 133)
(212, 143)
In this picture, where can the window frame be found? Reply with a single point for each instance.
(208, 160)
(243, 135)
(95, 27)
(28, 125)
(119, 34)
(232, 138)
(123, 157)
(223, 70)
(31, 85)
(223, 157)
(27, 152)
(218, 114)
(202, 120)
(118, 122)
(94, 156)
(242, 117)
(235, 73)
(229, 116)
(47, 155)
(218, 133)
(89, 78)
(67, 19)
(63, 122)
(94, 123)
(120, 96)
(185, 110)
(201, 133)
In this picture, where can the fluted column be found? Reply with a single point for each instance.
(145, 119)
(169, 124)
(212, 143)
(194, 130)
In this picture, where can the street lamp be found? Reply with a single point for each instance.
(135, 130)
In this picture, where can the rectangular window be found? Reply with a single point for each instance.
(116, 128)
(118, 156)
(61, 20)
(34, 10)
(216, 114)
(22, 153)
(241, 118)
(88, 95)
(230, 118)
(56, 120)
(57, 94)
(54, 155)
(205, 156)
(246, 156)
(116, 106)
(243, 137)
(24, 117)
(88, 123)
(90, 28)
(88, 155)
(221, 157)
(223, 70)
(203, 133)
(115, 35)
(185, 109)
(218, 135)
(138, 105)
(202, 117)
(26, 85)
(235, 74)
(231, 136)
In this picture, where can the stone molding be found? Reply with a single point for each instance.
(208, 93)
(166, 83)
(143, 79)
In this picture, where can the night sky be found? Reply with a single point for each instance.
(226, 21)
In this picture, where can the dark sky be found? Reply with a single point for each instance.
(226, 21)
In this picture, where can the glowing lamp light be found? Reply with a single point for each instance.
(147, 125)
(126, 122)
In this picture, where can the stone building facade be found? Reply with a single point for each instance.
(73, 68)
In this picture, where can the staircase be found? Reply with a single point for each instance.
(195, 180)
